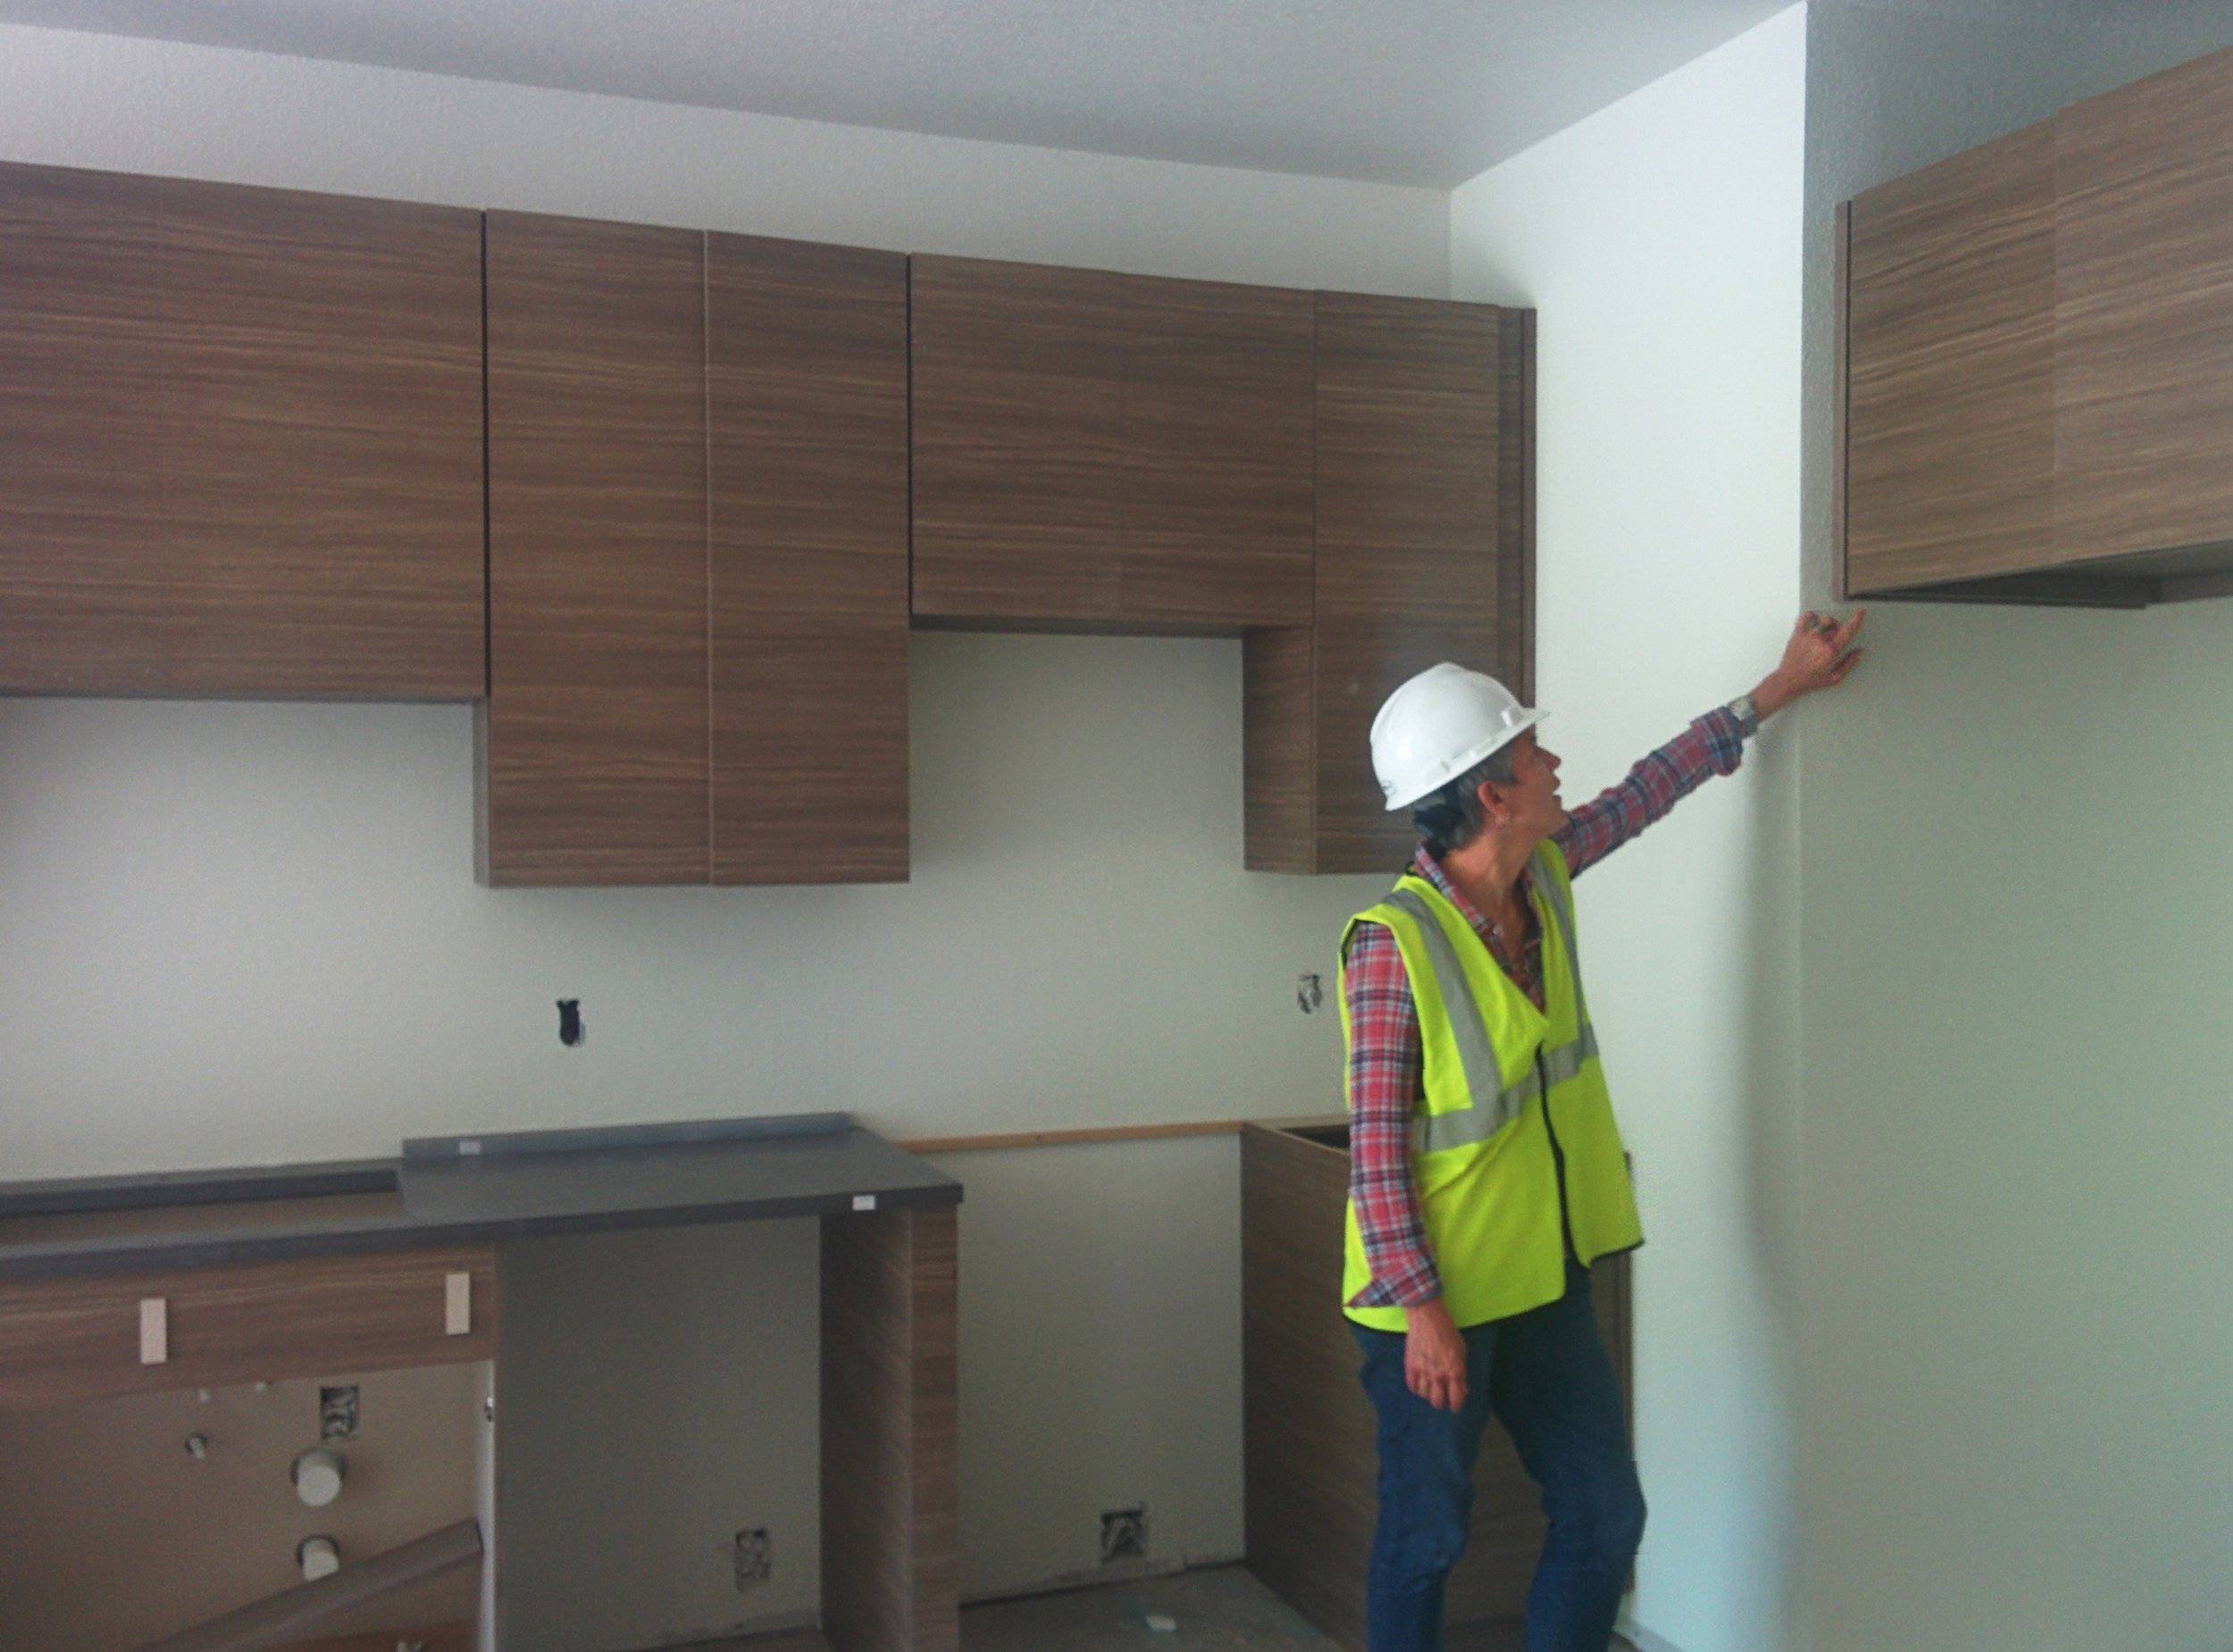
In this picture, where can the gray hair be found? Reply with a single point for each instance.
(1451, 816)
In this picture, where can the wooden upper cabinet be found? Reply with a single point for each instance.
(1110, 451)
(1425, 535)
(1950, 369)
(240, 441)
(594, 733)
(1018, 411)
(2037, 359)
(1219, 381)
(2144, 319)
(807, 353)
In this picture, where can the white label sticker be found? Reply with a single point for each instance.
(863, 1201)
(458, 1305)
(154, 1330)
(467, 1149)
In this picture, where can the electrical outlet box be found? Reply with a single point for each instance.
(338, 1414)
(751, 1558)
(1124, 1534)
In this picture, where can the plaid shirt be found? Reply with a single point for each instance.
(1386, 1067)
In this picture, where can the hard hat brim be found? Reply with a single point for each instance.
(1487, 748)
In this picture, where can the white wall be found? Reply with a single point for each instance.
(2017, 1336)
(1660, 240)
(238, 933)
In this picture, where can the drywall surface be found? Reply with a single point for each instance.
(236, 933)
(1117, 1272)
(2017, 1335)
(1660, 240)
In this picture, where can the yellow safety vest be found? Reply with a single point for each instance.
(1506, 1091)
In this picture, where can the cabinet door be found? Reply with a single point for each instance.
(322, 363)
(1419, 559)
(1950, 369)
(2143, 354)
(242, 436)
(1018, 419)
(807, 352)
(86, 604)
(1218, 386)
(594, 734)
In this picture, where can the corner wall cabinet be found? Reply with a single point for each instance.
(1425, 552)
(664, 502)
(240, 441)
(2036, 399)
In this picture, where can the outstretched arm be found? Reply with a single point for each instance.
(1819, 656)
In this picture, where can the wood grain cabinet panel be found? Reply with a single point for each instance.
(2143, 348)
(593, 736)
(1950, 369)
(891, 1448)
(1018, 428)
(807, 356)
(1424, 554)
(1218, 385)
(69, 1337)
(240, 441)
(1107, 452)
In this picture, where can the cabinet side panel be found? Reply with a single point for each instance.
(2143, 315)
(1277, 721)
(87, 594)
(1408, 535)
(1950, 364)
(323, 360)
(807, 357)
(596, 723)
(891, 1556)
(1217, 442)
(1516, 505)
(1309, 1462)
(1018, 408)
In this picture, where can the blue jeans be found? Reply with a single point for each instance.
(1547, 1377)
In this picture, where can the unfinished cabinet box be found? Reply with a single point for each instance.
(1425, 553)
(240, 441)
(1108, 452)
(2036, 402)
(1310, 1464)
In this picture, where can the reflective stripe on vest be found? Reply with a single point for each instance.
(1495, 1103)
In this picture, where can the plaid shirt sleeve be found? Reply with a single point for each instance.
(1714, 744)
(1384, 1064)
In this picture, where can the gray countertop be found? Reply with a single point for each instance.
(460, 1190)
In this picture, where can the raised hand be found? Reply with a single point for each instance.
(1820, 655)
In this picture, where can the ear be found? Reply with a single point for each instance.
(1493, 805)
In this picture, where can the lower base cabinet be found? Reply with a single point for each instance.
(1309, 1462)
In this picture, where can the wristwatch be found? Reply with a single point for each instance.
(1746, 714)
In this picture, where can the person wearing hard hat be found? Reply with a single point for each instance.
(1487, 1172)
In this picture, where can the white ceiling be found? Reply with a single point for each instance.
(1425, 92)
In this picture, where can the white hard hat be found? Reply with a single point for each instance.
(1438, 725)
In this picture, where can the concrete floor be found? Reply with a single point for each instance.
(1215, 1608)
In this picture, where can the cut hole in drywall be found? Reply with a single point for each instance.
(569, 1022)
